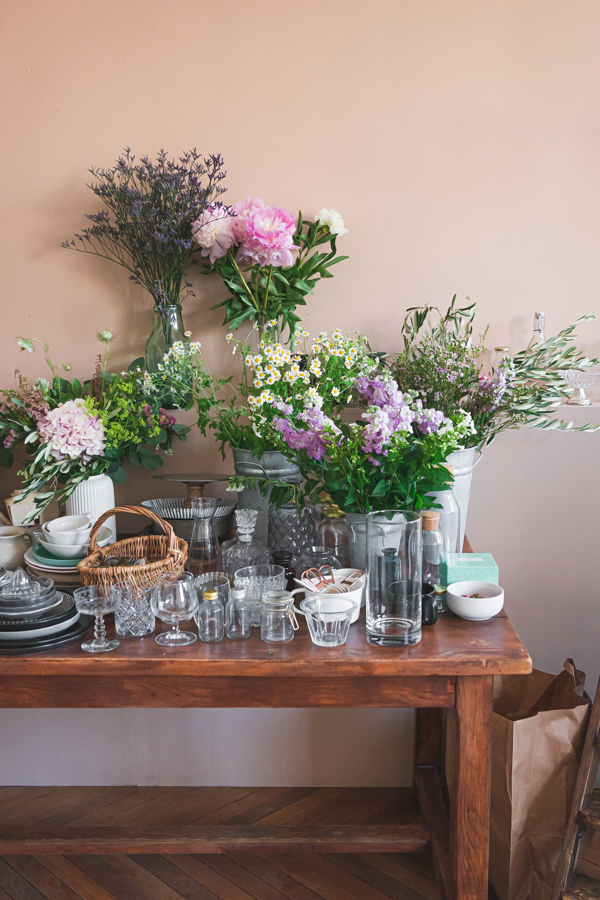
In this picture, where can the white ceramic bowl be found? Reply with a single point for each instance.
(476, 609)
(339, 575)
(67, 529)
(73, 551)
(356, 592)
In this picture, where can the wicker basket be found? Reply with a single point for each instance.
(166, 552)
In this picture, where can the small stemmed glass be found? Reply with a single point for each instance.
(175, 599)
(98, 601)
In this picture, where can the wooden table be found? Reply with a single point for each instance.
(451, 668)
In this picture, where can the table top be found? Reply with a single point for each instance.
(452, 646)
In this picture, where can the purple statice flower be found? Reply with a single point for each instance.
(9, 439)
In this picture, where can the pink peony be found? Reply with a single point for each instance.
(241, 210)
(213, 230)
(72, 431)
(269, 237)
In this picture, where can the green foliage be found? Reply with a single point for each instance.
(134, 424)
(442, 365)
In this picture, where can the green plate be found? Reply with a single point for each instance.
(44, 556)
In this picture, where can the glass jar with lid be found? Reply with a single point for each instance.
(316, 557)
(277, 617)
(333, 533)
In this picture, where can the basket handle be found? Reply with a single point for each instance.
(135, 510)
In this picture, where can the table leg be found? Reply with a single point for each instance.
(470, 787)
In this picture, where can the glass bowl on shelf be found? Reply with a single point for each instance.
(579, 381)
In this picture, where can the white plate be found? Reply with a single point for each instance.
(34, 562)
(31, 634)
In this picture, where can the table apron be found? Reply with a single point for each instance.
(155, 691)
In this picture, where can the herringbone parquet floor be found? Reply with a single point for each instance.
(240, 876)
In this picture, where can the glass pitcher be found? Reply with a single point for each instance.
(204, 550)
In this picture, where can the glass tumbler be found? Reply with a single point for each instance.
(133, 615)
(277, 617)
(256, 581)
(214, 581)
(328, 618)
(394, 595)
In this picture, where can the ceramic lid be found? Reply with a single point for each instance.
(23, 592)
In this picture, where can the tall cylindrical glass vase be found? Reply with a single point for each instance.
(394, 565)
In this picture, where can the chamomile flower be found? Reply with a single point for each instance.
(337, 351)
(315, 367)
(349, 362)
(187, 333)
(337, 335)
(271, 324)
(229, 337)
(335, 392)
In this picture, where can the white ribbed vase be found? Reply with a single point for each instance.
(94, 496)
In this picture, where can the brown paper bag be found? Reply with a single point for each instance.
(538, 728)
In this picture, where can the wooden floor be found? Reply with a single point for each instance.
(241, 876)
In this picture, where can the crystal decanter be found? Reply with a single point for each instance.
(244, 550)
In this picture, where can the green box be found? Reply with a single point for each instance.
(470, 567)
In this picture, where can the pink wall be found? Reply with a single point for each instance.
(459, 141)
(458, 138)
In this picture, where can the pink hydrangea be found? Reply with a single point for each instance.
(214, 231)
(72, 431)
(241, 210)
(269, 236)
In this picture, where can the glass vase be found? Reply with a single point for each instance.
(394, 560)
(291, 532)
(167, 330)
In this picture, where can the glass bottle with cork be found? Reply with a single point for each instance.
(433, 555)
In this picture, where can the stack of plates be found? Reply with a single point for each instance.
(63, 572)
(56, 627)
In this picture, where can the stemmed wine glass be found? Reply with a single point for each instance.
(175, 599)
(97, 601)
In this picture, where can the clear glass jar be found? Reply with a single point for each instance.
(211, 618)
(394, 592)
(291, 532)
(333, 534)
(204, 554)
(238, 616)
(244, 550)
(277, 617)
(315, 557)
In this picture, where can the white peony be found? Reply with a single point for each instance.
(333, 220)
